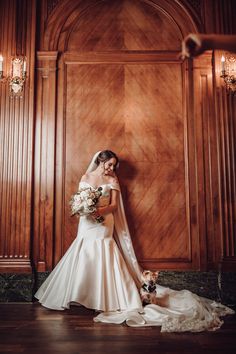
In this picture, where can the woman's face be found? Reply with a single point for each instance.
(109, 166)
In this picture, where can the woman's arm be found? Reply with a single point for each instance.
(109, 208)
(196, 43)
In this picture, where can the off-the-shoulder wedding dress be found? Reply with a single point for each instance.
(101, 272)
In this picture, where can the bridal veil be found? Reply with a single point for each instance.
(177, 311)
(122, 234)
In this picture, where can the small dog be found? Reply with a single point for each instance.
(148, 290)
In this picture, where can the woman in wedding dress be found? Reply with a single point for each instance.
(100, 270)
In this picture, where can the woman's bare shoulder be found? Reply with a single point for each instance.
(113, 180)
(85, 177)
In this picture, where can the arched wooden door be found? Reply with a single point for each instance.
(121, 86)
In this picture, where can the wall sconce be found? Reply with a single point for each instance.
(1, 67)
(17, 77)
(228, 71)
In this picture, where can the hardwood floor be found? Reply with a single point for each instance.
(31, 329)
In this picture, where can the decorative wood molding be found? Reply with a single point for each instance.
(28, 231)
(225, 108)
(45, 160)
(11, 265)
(207, 164)
(191, 261)
(66, 14)
(16, 143)
(228, 264)
(51, 4)
(122, 57)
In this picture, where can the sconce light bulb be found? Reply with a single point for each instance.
(24, 66)
(1, 66)
(222, 59)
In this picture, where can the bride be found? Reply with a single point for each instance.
(100, 270)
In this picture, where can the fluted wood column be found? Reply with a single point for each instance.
(17, 37)
(208, 199)
(44, 160)
(225, 102)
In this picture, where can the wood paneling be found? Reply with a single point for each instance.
(115, 85)
(206, 162)
(225, 103)
(67, 16)
(132, 117)
(124, 25)
(38, 330)
(117, 79)
(218, 16)
(44, 177)
(141, 115)
(16, 143)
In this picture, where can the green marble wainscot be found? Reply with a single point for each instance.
(39, 279)
(214, 285)
(16, 287)
(227, 285)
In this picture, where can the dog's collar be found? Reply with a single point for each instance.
(149, 288)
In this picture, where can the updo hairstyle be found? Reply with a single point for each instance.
(106, 155)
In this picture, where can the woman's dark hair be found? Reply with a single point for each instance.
(106, 155)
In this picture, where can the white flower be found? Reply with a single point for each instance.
(90, 202)
(77, 199)
(85, 200)
(83, 194)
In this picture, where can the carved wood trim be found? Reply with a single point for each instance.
(207, 164)
(225, 108)
(11, 265)
(45, 160)
(16, 143)
(122, 57)
(192, 262)
(64, 16)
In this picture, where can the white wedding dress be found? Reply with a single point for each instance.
(101, 272)
(92, 272)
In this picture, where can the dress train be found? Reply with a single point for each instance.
(102, 273)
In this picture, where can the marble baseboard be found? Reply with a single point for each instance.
(213, 285)
(220, 287)
(16, 287)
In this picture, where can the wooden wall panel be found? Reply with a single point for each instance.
(147, 130)
(180, 153)
(225, 104)
(44, 176)
(143, 36)
(124, 25)
(206, 163)
(58, 29)
(154, 145)
(16, 142)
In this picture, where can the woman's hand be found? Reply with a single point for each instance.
(192, 45)
(96, 213)
(103, 210)
(97, 216)
(196, 43)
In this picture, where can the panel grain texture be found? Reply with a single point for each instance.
(122, 84)
(108, 73)
(124, 102)
(131, 116)
(16, 143)
(44, 163)
(225, 105)
(124, 25)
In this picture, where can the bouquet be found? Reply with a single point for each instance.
(84, 202)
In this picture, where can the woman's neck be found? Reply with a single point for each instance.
(99, 172)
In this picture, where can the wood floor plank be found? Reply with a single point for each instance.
(32, 329)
